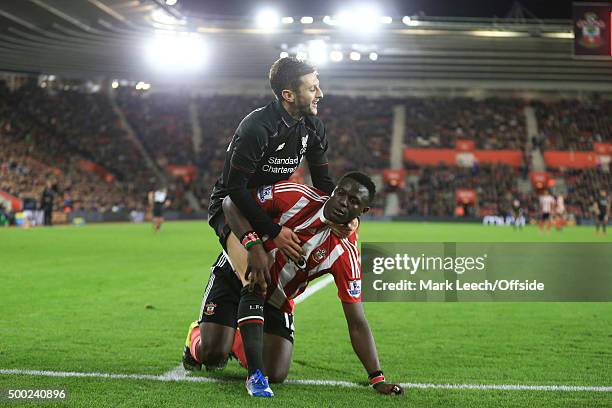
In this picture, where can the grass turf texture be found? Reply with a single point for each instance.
(73, 299)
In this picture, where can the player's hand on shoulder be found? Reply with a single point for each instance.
(289, 244)
(389, 389)
(345, 230)
(258, 268)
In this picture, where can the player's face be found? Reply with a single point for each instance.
(348, 201)
(308, 94)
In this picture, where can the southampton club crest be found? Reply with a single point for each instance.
(319, 255)
(304, 144)
(591, 26)
(209, 309)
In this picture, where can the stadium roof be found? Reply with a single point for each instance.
(106, 39)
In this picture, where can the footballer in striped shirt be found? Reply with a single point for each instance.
(310, 214)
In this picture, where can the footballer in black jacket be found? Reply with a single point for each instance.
(268, 147)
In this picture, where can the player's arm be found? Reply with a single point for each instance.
(258, 262)
(365, 348)
(248, 148)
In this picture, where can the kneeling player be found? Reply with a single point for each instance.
(266, 328)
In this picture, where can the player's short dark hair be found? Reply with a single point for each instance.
(364, 180)
(285, 73)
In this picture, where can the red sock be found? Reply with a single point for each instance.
(238, 349)
(194, 343)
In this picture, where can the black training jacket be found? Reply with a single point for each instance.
(267, 147)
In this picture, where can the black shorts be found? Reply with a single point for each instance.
(602, 217)
(221, 298)
(218, 223)
(545, 216)
(158, 209)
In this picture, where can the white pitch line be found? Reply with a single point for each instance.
(314, 288)
(179, 372)
(346, 384)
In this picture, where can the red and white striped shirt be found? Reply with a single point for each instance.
(547, 202)
(300, 208)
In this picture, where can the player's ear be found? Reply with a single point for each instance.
(365, 210)
(288, 95)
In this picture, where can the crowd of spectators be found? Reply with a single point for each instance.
(573, 124)
(84, 124)
(161, 122)
(359, 132)
(24, 174)
(43, 136)
(491, 123)
(43, 133)
(583, 185)
(430, 190)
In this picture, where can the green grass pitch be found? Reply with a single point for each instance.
(73, 300)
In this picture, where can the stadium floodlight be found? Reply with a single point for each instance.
(564, 35)
(355, 56)
(386, 20)
(139, 85)
(497, 33)
(287, 20)
(362, 19)
(146, 86)
(115, 84)
(317, 52)
(409, 21)
(284, 54)
(373, 56)
(174, 52)
(171, 2)
(329, 20)
(336, 56)
(306, 20)
(267, 19)
(160, 16)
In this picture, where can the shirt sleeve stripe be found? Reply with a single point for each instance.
(351, 257)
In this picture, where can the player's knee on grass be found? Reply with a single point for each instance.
(276, 375)
(216, 343)
(213, 358)
(277, 357)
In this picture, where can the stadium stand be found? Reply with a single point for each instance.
(52, 132)
(582, 187)
(431, 190)
(574, 124)
(161, 122)
(48, 135)
(491, 123)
